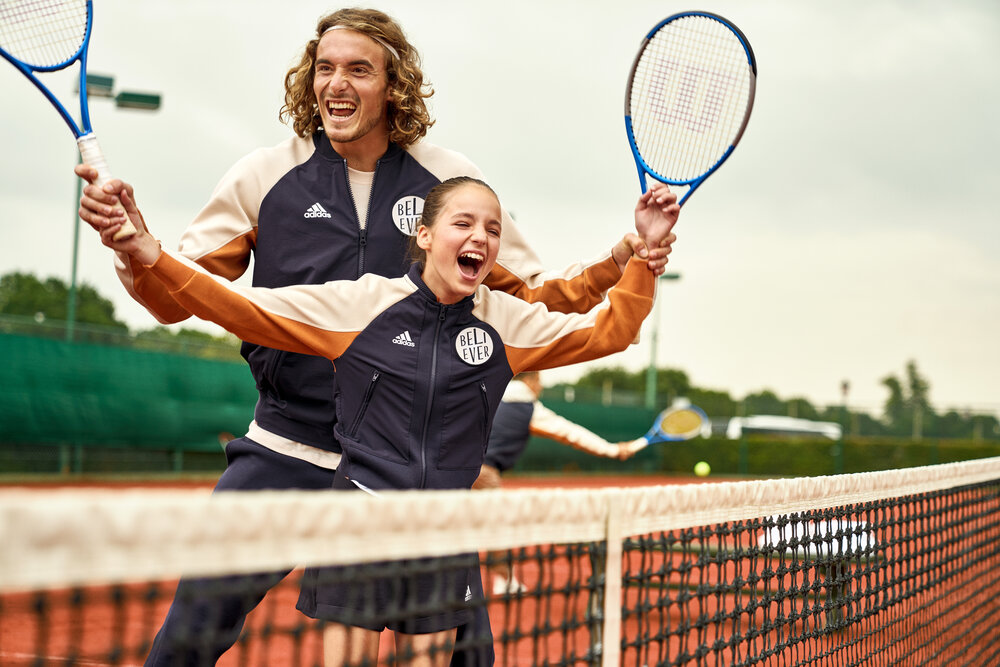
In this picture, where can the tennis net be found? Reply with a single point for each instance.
(886, 568)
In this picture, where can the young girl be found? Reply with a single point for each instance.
(422, 362)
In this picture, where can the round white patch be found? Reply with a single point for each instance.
(474, 346)
(406, 214)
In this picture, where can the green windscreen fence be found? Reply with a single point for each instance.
(85, 395)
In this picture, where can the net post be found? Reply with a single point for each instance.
(611, 634)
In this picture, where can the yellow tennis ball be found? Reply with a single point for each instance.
(701, 468)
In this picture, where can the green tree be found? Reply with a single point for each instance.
(895, 405)
(671, 383)
(985, 426)
(714, 403)
(24, 294)
(863, 423)
(619, 378)
(765, 402)
(919, 401)
(907, 409)
(189, 341)
(802, 409)
(952, 424)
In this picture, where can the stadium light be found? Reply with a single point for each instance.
(143, 101)
(654, 337)
(99, 85)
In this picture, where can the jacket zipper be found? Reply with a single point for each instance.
(430, 398)
(362, 242)
(364, 403)
(363, 238)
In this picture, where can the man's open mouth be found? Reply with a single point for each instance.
(340, 109)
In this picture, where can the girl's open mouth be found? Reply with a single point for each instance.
(469, 263)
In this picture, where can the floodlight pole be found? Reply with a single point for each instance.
(654, 338)
(99, 86)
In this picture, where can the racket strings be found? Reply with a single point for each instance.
(681, 422)
(696, 108)
(690, 59)
(690, 96)
(43, 33)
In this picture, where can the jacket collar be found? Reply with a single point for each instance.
(466, 304)
(324, 148)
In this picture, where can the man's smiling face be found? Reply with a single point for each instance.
(351, 87)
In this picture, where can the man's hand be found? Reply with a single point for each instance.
(101, 207)
(656, 214)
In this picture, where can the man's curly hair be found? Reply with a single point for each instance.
(407, 114)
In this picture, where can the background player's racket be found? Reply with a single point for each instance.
(688, 98)
(48, 35)
(676, 424)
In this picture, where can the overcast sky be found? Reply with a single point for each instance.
(854, 228)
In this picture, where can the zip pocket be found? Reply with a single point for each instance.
(365, 402)
(486, 413)
(265, 366)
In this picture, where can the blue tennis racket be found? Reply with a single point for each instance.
(675, 424)
(38, 36)
(688, 98)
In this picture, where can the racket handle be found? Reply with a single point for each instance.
(91, 153)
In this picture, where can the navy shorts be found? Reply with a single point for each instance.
(413, 596)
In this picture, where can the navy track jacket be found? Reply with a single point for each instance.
(422, 379)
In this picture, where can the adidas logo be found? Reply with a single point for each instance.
(404, 339)
(468, 594)
(317, 211)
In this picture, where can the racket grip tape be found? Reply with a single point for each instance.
(91, 153)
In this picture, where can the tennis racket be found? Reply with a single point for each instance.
(688, 98)
(676, 424)
(38, 36)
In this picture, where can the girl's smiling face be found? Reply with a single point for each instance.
(462, 242)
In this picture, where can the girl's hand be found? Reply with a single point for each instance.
(631, 244)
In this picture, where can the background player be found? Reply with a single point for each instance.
(519, 416)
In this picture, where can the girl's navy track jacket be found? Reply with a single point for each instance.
(432, 374)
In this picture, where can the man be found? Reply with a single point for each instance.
(519, 416)
(338, 200)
